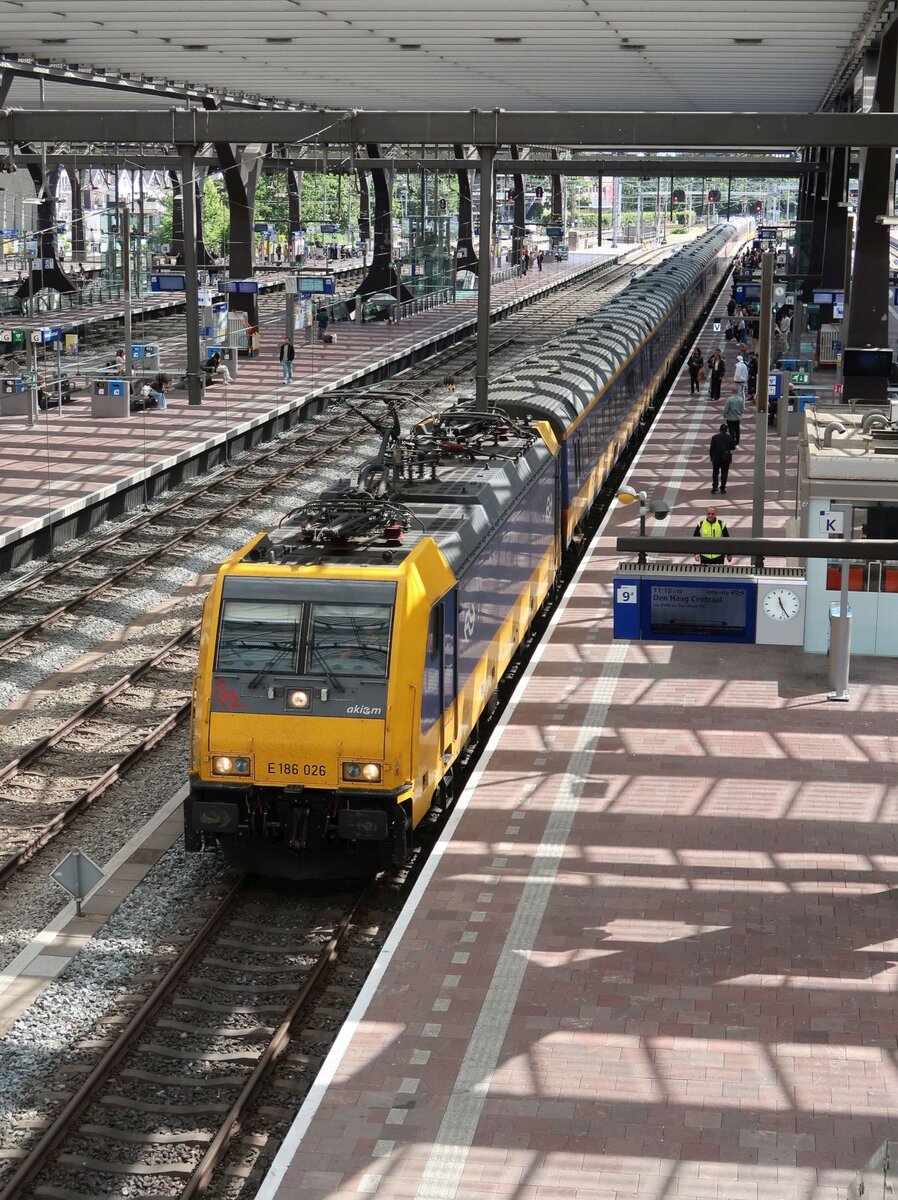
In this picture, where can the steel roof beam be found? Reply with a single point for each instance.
(738, 168)
(665, 130)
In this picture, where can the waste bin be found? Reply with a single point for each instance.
(111, 398)
(839, 647)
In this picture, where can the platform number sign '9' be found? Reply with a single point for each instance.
(627, 593)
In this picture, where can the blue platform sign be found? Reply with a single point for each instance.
(684, 609)
(316, 285)
(168, 283)
(747, 293)
(50, 333)
(329, 227)
(626, 607)
(240, 287)
(555, 231)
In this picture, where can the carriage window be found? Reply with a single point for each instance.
(349, 639)
(257, 634)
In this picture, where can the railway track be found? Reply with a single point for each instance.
(19, 621)
(160, 1099)
(47, 783)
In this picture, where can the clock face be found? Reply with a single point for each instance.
(781, 604)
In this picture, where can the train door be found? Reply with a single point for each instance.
(438, 700)
(448, 678)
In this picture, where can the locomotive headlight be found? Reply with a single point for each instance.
(230, 764)
(298, 698)
(364, 772)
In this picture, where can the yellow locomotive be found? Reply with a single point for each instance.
(348, 657)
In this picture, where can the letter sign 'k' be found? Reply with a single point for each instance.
(830, 522)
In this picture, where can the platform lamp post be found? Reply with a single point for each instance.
(659, 509)
(123, 214)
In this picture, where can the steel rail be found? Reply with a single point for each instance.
(76, 1105)
(41, 1155)
(199, 1181)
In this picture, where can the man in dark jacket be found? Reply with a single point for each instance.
(721, 454)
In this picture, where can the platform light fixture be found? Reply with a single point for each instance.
(659, 509)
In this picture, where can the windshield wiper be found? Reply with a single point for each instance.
(269, 666)
(331, 677)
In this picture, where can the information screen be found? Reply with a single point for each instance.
(311, 285)
(867, 362)
(712, 611)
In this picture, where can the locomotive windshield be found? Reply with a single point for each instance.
(304, 637)
(253, 633)
(348, 639)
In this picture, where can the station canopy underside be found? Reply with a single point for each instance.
(690, 57)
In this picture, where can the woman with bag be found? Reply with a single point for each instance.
(716, 371)
(696, 365)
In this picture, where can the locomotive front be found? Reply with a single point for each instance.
(293, 770)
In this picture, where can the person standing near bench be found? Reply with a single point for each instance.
(322, 319)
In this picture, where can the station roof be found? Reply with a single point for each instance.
(524, 55)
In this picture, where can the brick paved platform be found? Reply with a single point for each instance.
(68, 461)
(656, 955)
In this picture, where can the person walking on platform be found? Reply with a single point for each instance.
(721, 455)
(696, 366)
(711, 526)
(734, 412)
(717, 371)
(733, 409)
(540, 254)
(740, 375)
(287, 355)
(751, 385)
(322, 320)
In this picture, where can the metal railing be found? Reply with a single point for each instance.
(505, 273)
(408, 308)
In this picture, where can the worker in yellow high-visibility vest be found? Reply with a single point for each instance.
(711, 526)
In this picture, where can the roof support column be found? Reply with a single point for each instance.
(466, 257)
(487, 155)
(241, 168)
(867, 318)
(832, 266)
(294, 204)
(382, 275)
(518, 214)
(191, 288)
(817, 209)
